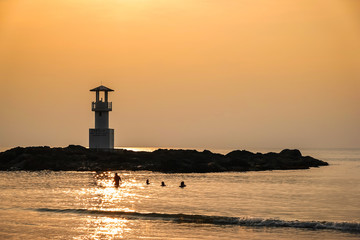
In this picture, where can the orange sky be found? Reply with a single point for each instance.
(189, 73)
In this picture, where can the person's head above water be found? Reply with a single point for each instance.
(182, 184)
(163, 184)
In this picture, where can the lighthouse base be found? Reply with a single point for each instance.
(101, 138)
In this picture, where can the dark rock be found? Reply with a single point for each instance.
(291, 153)
(78, 158)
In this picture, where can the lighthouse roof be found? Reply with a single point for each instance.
(101, 88)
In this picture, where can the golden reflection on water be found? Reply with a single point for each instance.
(108, 228)
(106, 197)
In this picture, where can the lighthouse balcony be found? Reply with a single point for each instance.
(101, 106)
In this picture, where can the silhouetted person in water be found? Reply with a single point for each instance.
(182, 184)
(117, 179)
(163, 184)
(147, 181)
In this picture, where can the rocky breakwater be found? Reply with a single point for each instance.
(78, 158)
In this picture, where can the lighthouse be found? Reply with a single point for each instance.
(101, 137)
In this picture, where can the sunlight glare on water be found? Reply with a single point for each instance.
(107, 228)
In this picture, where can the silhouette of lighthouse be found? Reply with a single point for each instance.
(101, 137)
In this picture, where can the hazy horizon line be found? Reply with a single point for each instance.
(214, 149)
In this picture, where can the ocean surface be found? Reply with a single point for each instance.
(319, 203)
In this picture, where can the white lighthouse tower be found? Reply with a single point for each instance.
(101, 137)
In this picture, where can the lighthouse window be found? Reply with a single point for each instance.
(100, 114)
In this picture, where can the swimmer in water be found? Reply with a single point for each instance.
(117, 179)
(182, 184)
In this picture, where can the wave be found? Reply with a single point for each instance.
(218, 220)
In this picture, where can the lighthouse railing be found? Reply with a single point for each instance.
(101, 106)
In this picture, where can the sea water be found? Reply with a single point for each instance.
(318, 203)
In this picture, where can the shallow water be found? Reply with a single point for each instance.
(298, 204)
